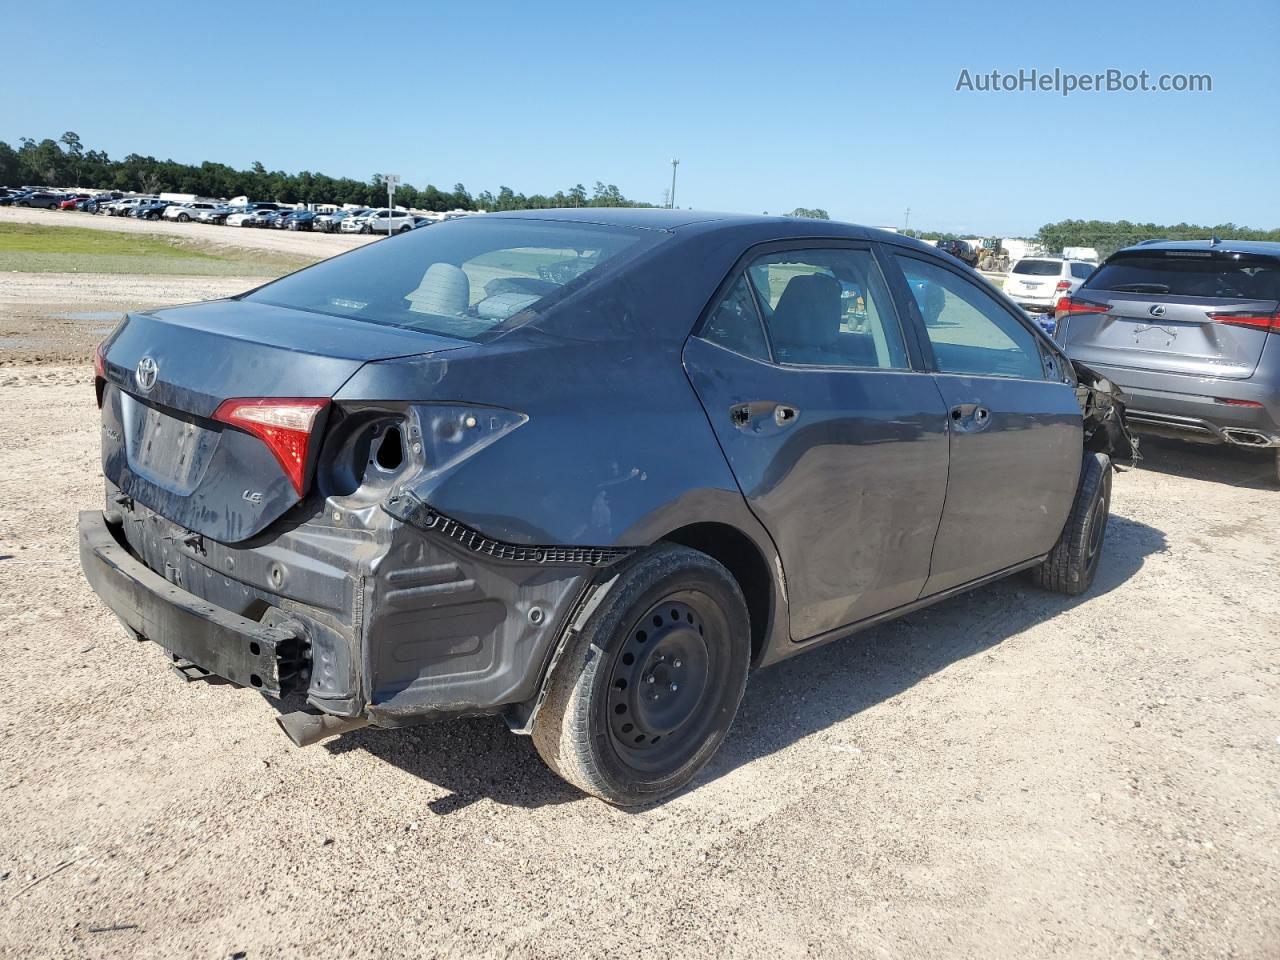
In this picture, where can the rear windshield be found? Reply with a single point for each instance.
(1254, 278)
(1038, 268)
(467, 278)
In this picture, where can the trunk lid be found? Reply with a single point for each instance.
(1160, 314)
(167, 372)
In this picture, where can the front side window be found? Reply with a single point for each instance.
(970, 331)
(827, 307)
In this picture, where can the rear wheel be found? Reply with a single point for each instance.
(1073, 563)
(184, 218)
(644, 695)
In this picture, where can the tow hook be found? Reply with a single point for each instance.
(305, 727)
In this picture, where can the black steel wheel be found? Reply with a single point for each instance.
(1073, 563)
(645, 693)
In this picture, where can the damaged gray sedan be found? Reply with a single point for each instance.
(583, 469)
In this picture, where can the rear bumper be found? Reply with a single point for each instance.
(190, 629)
(1193, 408)
(393, 622)
(1034, 303)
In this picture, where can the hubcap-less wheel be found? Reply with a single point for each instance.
(658, 679)
(645, 692)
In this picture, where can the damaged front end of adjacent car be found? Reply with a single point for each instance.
(1103, 406)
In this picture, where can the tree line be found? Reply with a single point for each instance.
(66, 161)
(1107, 236)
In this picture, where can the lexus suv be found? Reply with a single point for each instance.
(583, 469)
(1191, 331)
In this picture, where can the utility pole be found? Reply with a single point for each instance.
(674, 163)
(906, 219)
(390, 179)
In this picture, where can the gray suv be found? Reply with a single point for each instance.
(1191, 331)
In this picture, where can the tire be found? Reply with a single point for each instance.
(1278, 465)
(183, 218)
(1073, 562)
(615, 722)
(404, 229)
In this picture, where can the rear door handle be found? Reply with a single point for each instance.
(763, 415)
(970, 417)
(784, 414)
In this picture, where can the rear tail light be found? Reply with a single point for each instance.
(285, 424)
(1266, 322)
(1070, 305)
(1236, 403)
(1063, 286)
(100, 369)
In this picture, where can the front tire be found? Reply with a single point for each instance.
(1072, 565)
(645, 693)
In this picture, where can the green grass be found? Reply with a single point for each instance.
(29, 248)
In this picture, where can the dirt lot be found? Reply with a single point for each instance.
(1009, 774)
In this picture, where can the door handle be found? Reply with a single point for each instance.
(763, 415)
(970, 417)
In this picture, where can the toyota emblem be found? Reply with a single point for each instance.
(145, 374)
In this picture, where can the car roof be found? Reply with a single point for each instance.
(1260, 247)
(687, 221)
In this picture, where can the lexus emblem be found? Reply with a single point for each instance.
(145, 374)
(1156, 310)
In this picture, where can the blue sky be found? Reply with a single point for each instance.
(769, 106)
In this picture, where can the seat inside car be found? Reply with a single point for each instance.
(806, 321)
(806, 325)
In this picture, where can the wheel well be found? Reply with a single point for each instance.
(742, 558)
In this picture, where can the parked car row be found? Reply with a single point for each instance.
(363, 220)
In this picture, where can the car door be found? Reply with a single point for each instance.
(1013, 417)
(834, 433)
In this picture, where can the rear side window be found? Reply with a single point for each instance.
(462, 279)
(1038, 268)
(735, 324)
(970, 331)
(1256, 278)
(1081, 270)
(828, 307)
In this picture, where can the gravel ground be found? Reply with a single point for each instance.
(1009, 774)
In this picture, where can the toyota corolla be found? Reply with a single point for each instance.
(583, 469)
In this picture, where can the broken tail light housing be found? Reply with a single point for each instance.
(452, 433)
(1253, 319)
(285, 424)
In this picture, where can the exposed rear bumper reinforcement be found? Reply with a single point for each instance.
(189, 628)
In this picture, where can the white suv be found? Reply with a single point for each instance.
(185, 212)
(1037, 283)
(379, 221)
